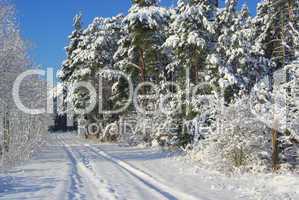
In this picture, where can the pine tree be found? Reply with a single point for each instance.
(237, 63)
(97, 48)
(67, 67)
(70, 65)
(190, 37)
(189, 42)
(276, 26)
(277, 37)
(140, 52)
(88, 55)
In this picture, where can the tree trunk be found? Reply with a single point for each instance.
(275, 156)
(290, 9)
(194, 69)
(193, 74)
(142, 68)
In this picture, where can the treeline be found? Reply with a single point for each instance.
(228, 59)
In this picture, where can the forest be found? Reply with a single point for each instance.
(218, 83)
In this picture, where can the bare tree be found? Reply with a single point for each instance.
(19, 132)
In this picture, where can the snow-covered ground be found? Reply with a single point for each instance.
(72, 168)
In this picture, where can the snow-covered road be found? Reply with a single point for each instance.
(69, 168)
(102, 176)
(72, 168)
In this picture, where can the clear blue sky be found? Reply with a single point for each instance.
(47, 23)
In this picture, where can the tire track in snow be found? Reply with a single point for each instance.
(87, 166)
(102, 191)
(163, 195)
(130, 179)
(76, 180)
(167, 192)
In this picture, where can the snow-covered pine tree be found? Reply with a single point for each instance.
(87, 56)
(68, 66)
(289, 29)
(190, 37)
(141, 56)
(98, 46)
(276, 24)
(140, 53)
(74, 39)
(224, 21)
(237, 63)
(263, 24)
(189, 41)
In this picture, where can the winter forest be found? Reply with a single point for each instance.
(160, 92)
(228, 60)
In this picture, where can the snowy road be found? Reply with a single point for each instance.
(109, 178)
(73, 169)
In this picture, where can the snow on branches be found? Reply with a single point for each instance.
(226, 55)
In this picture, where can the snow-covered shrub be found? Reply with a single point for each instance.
(278, 110)
(153, 130)
(243, 135)
(289, 141)
(205, 122)
(241, 141)
(155, 124)
(111, 133)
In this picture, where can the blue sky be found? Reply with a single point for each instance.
(46, 24)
